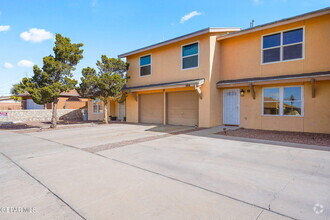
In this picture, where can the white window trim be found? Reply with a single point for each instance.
(145, 65)
(281, 89)
(281, 45)
(99, 108)
(190, 56)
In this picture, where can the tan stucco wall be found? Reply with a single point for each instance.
(316, 111)
(241, 55)
(215, 111)
(96, 116)
(166, 67)
(166, 64)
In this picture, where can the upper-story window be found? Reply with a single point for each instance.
(190, 56)
(145, 65)
(283, 46)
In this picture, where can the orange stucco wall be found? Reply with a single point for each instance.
(69, 103)
(316, 116)
(241, 55)
(166, 64)
(166, 67)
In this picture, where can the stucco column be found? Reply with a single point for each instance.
(165, 107)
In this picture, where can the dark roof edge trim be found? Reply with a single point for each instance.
(273, 78)
(307, 15)
(180, 38)
(177, 83)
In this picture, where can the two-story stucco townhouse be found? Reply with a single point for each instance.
(274, 76)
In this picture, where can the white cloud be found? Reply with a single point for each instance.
(25, 63)
(189, 16)
(4, 27)
(256, 2)
(36, 35)
(8, 65)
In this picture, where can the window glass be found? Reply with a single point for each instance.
(292, 93)
(145, 70)
(271, 55)
(272, 40)
(271, 101)
(283, 46)
(292, 52)
(292, 100)
(271, 108)
(145, 60)
(283, 101)
(190, 49)
(272, 94)
(294, 36)
(190, 62)
(292, 108)
(145, 65)
(97, 106)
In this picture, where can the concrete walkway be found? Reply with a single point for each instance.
(186, 176)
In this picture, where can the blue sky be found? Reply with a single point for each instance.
(111, 27)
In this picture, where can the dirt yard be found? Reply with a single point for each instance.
(293, 137)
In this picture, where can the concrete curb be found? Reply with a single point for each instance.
(280, 143)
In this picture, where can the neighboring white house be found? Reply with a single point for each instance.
(30, 104)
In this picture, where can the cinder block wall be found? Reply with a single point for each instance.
(40, 115)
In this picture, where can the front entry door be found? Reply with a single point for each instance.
(231, 111)
(121, 110)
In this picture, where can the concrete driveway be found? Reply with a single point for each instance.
(123, 171)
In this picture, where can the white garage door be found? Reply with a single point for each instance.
(30, 104)
(182, 108)
(151, 108)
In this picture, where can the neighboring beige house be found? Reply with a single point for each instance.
(7, 103)
(116, 110)
(274, 76)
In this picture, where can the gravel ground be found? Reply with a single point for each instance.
(285, 136)
(44, 125)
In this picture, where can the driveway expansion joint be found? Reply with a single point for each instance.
(42, 184)
(199, 187)
(124, 143)
(259, 214)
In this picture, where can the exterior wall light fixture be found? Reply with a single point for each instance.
(242, 92)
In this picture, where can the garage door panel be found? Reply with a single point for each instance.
(151, 108)
(182, 108)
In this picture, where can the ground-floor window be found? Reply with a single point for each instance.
(283, 101)
(97, 106)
